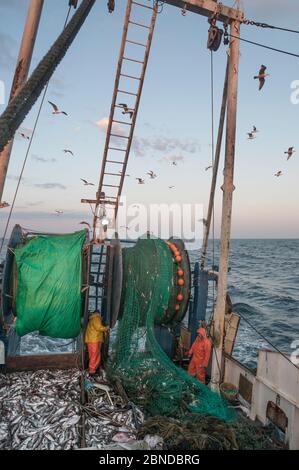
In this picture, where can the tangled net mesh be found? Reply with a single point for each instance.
(149, 377)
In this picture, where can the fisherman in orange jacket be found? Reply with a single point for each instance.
(200, 352)
(94, 337)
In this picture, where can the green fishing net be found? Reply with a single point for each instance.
(149, 377)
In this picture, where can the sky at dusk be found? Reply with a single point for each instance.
(174, 119)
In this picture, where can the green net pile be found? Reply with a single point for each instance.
(149, 377)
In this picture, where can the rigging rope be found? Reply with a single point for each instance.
(264, 46)
(268, 26)
(21, 104)
(28, 150)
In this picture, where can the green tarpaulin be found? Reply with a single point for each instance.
(48, 297)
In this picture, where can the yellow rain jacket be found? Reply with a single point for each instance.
(95, 329)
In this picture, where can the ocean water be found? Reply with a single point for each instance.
(264, 287)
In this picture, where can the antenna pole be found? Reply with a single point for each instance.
(21, 73)
(228, 188)
(215, 173)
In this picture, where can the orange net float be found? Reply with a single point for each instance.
(180, 297)
(177, 307)
(178, 259)
(181, 282)
(180, 272)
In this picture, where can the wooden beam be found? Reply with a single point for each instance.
(208, 8)
(228, 188)
(44, 361)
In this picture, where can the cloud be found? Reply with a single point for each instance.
(15, 178)
(43, 160)
(50, 186)
(57, 87)
(175, 158)
(162, 144)
(116, 129)
(13, 4)
(7, 46)
(34, 204)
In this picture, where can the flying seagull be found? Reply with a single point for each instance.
(279, 173)
(290, 152)
(24, 135)
(85, 223)
(59, 212)
(140, 180)
(262, 76)
(68, 151)
(86, 183)
(56, 109)
(152, 175)
(251, 135)
(170, 187)
(126, 109)
(254, 130)
(174, 163)
(204, 221)
(4, 204)
(208, 167)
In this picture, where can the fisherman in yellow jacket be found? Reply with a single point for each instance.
(94, 338)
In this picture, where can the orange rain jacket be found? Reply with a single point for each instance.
(200, 350)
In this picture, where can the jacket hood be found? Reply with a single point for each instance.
(202, 332)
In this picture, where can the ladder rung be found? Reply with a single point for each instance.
(142, 5)
(139, 24)
(110, 186)
(136, 43)
(122, 122)
(111, 174)
(134, 60)
(127, 92)
(112, 161)
(119, 150)
(120, 136)
(130, 76)
(117, 106)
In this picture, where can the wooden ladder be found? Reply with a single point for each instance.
(121, 130)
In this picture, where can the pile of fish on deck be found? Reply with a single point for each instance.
(43, 410)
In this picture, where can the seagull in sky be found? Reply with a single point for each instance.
(170, 187)
(59, 212)
(140, 180)
(174, 163)
(4, 204)
(68, 151)
(290, 152)
(85, 223)
(56, 109)
(254, 130)
(152, 175)
(22, 134)
(204, 221)
(262, 76)
(126, 109)
(278, 174)
(251, 135)
(86, 183)
(208, 167)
